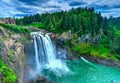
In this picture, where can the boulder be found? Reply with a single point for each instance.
(65, 35)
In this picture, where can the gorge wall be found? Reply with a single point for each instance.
(17, 53)
(12, 52)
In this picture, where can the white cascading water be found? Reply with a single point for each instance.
(45, 54)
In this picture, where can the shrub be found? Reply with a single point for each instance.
(10, 53)
(24, 40)
(99, 51)
(8, 75)
(15, 28)
(82, 48)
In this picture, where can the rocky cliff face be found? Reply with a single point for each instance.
(17, 52)
(12, 52)
(7, 21)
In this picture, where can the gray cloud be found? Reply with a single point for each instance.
(34, 2)
(76, 3)
(23, 7)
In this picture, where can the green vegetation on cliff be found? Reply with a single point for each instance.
(115, 22)
(94, 50)
(6, 74)
(15, 28)
(12, 39)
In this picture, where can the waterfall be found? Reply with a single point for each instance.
(45, 54)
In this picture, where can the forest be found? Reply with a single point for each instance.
(81, 21)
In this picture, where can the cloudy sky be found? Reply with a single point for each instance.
(26, 7)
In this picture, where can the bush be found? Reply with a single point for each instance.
(92, 50)
(15, 28)
(8, 75)
(99, 51)
(10, 53)
(24, 40)
(1, 40)
(82, 48)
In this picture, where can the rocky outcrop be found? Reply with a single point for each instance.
(12, 53)
(7, 21)
(89, 38)
(65, 35)
(17, 52)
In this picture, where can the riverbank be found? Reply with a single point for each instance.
(102, 61)
(76, 51)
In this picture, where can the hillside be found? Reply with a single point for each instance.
(115, 22)
(92, 34)
(79, 20)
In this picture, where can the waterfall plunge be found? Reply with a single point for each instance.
(45, 54)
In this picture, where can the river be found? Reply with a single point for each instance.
(82, 71)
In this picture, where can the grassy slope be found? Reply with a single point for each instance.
(89, 49)
(15, 28)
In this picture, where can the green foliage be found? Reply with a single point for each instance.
(94, 50)
(115, 22)
(99, 51)
(1, 40)
(68, 43)
(36, 24)
(81, 21)
(24, 40)
(15, 28)
(112, 39)
(10, 53)
(8, 76)
(78, 20)
(82, 48)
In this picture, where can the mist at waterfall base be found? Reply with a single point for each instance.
(65, 71)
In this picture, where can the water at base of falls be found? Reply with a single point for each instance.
(45, 54)
(85, 72)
